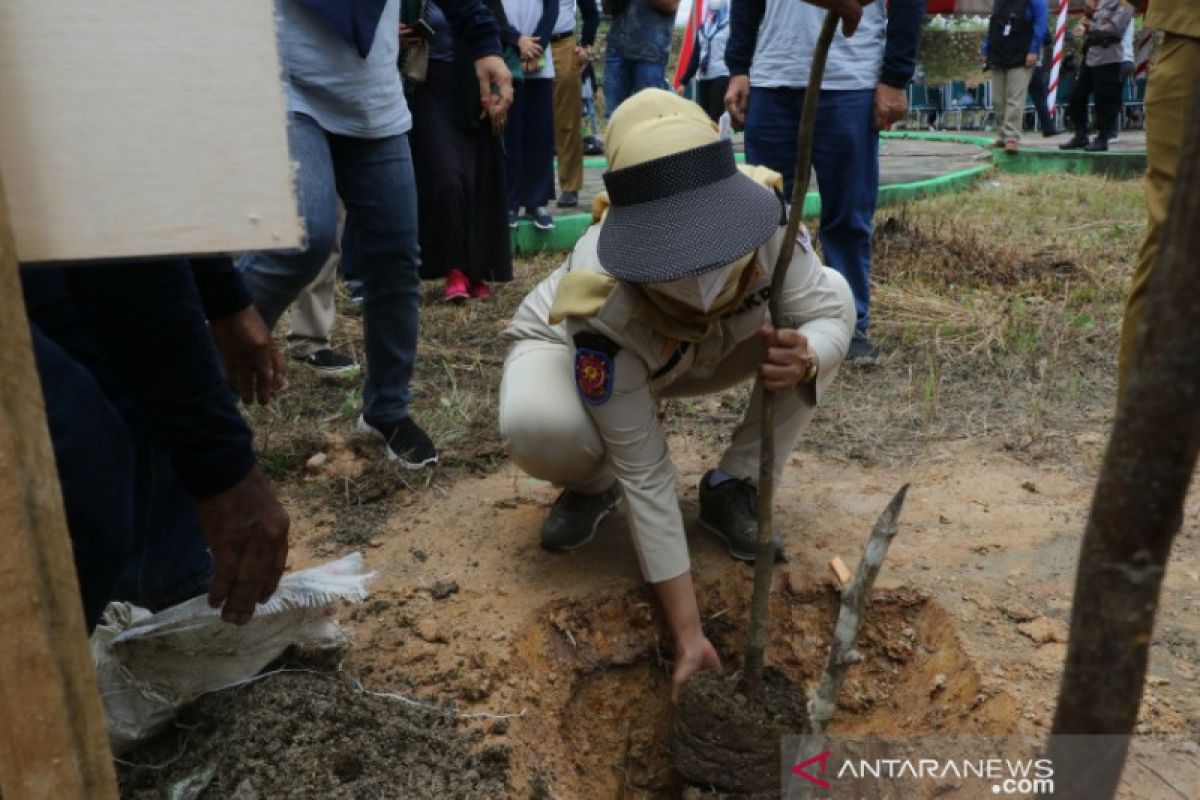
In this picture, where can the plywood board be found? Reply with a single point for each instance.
(143, 127)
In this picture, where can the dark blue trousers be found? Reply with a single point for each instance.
(529, 145)
(133, 528)
(846, 160)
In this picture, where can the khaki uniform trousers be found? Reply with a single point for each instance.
(1168, 102)
(568, 115)
(1009, 87)
(550, 435)
(314, 312)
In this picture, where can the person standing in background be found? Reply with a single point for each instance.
(1103, 27)
(459, 165)
(349, 134)
(638, 48)
(529, 134)
(1127, 56)
(769, 51)
(708, 59)
(1010, 50)
(1170, 93)
(570, 55)
(1039, 88)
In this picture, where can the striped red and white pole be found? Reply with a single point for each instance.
(1141, 52)
(1060, 38)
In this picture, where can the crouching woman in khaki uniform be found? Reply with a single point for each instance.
(665, 296)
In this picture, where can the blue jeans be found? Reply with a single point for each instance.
(374, 178)
(846, 160)
(133, 528)
(624, 77)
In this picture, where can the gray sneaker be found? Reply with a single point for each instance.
(730, 510)
(574, 518)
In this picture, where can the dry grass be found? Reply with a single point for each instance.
(997, 309)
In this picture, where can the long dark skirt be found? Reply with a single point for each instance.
(461, 194)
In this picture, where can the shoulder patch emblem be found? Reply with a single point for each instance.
(594, 367)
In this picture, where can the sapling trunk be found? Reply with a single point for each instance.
(765, 561)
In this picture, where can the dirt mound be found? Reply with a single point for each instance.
(311, 735)
(946, 257)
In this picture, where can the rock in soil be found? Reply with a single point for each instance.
(302, 735)
(1043, 631)
(725, 740)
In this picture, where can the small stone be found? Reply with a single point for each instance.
(419, 555)
(1017, 612)
(476, 688)
(1155, 680)
(429, 631)
(938, 683)
(499, 727)
(443, 588)
(943, 519)
(1030, 487)
(1043, 631)
(316, 462)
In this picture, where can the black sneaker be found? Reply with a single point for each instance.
(862, 353)
(568, 200)
(404, 441)
(1076, 142)
(730, 510)
(574, 518)
(327, 362)
(1098, 145)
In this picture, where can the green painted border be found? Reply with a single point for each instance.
(527, 240)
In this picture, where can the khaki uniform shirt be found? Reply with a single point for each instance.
(647, 363)
(1175, 16)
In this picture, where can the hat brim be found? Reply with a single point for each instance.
(689, 233)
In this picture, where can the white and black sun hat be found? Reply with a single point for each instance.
(679, 206)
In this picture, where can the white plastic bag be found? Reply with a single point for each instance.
(150, 665)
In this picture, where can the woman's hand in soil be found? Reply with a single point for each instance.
(247, 531)
(252, 361)
(787, 360)
(691, 657)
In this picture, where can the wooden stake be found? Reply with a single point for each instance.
(1138, 505)
(53, 744)
(764, 564)
(854, 598)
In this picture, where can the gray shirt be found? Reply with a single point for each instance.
(1112, 16)
(787, 37)
(328, 80)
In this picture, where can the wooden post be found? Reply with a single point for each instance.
(53, 744)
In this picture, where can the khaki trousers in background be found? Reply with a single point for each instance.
(313, 312)
(568, 115)
(1169, 97)
(1009, 87)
